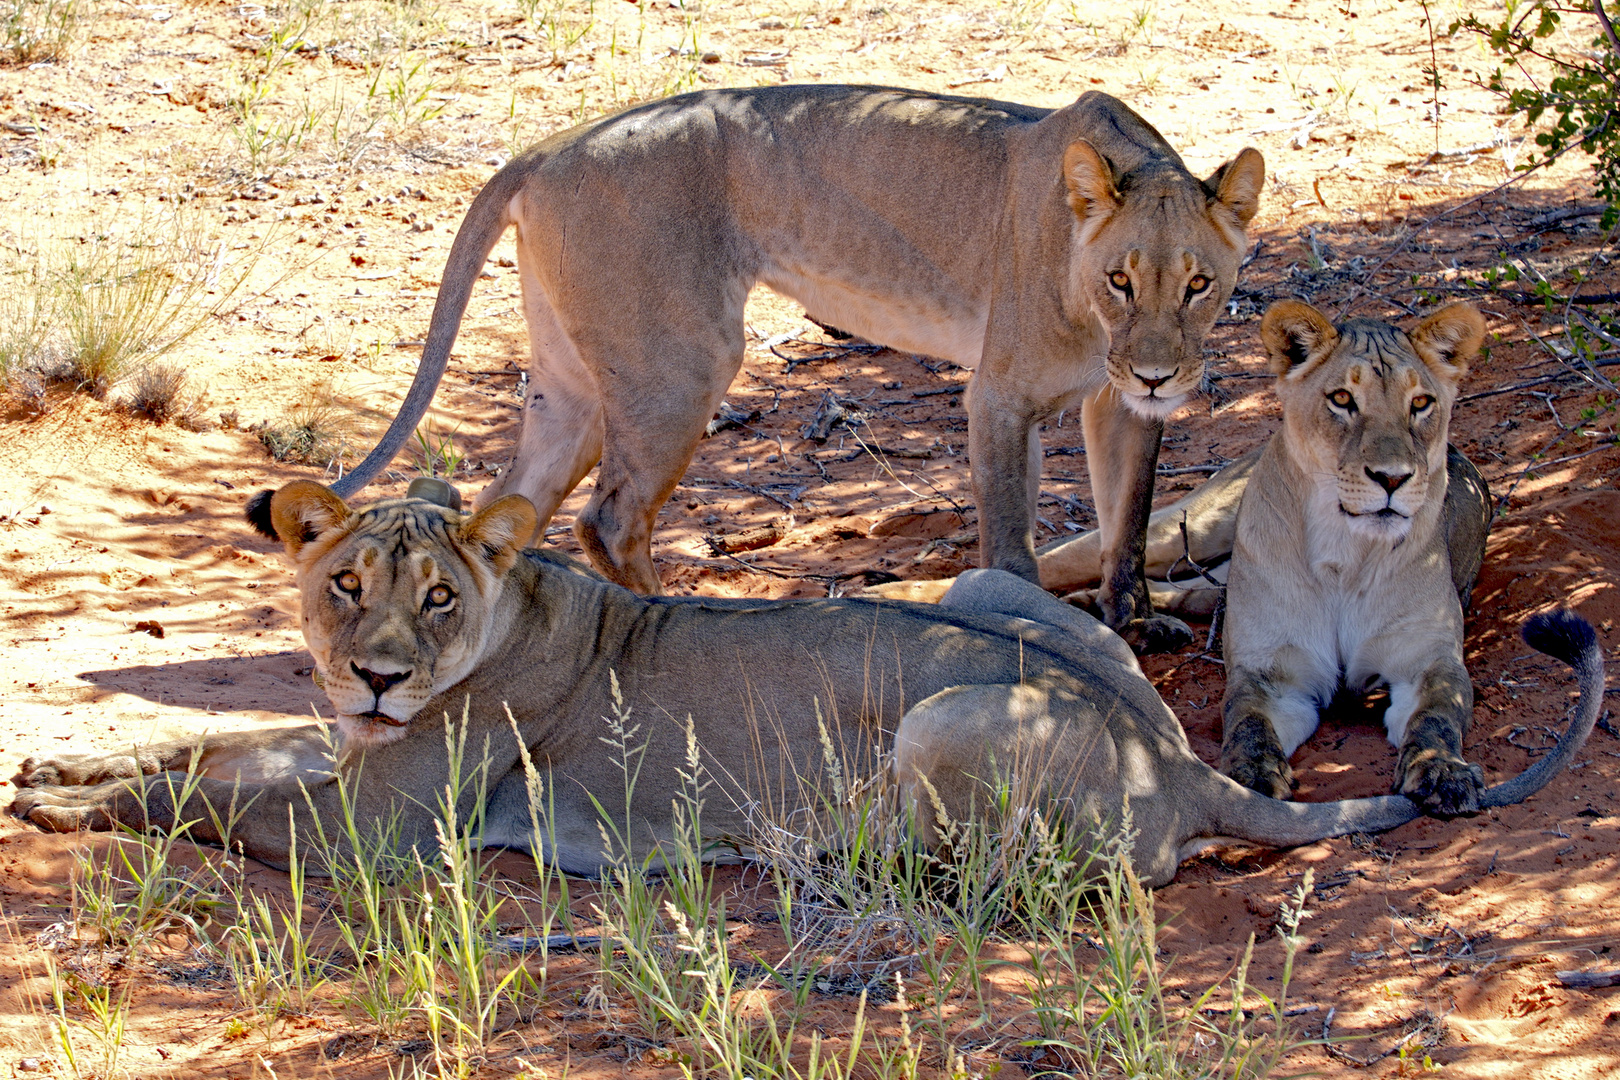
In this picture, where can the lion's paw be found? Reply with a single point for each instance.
(1441, 784)
(36, 773)
(62, 810)
(1269, 773)
(1251, 755)
(1156, 634)
(71, 770)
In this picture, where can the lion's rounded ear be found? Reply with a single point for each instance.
(436, 490)
(1297, 337)
(1237, 184)
(303, 510)
(1447, 340)
(1090, 180)
(501, 530)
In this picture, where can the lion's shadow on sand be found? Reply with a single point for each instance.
(276, 682)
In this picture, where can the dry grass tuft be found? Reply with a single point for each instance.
(318, 430)
(84, 312)
(158, 392)
(39, 31)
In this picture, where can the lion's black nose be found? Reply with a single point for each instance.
(1389, 481)
(377, 680)
(1154, 384)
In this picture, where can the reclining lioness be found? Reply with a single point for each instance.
(412, 611)
(1354, 537)
(1343, 567)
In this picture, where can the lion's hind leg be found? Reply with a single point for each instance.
(658, 394)
(1466, 520)
(560, 427)
(988, 752)
(997, 592)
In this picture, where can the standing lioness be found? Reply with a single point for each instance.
(1067, 255)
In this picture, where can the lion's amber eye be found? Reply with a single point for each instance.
(1342, 399)
(1421, 402)
(1198, 283)
(1119, 279)
(349, 582)
(440, 596)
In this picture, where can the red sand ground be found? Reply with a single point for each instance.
(107, 522)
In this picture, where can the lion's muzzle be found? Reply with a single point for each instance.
(1153, 404)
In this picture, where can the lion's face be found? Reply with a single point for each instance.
(398, 599)
(1157, 261)
(1366, 408)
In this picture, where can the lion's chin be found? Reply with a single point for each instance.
(1155, 407)
(1386, 524)
(370, 729)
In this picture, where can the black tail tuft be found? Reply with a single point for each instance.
(1560, 633)
(258, 514)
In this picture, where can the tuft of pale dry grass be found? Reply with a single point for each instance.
(40, 31)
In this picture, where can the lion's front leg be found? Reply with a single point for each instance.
(1196, 531)
(253, 756)
(140, 803)
(1122, 454)
(1264, 719)
(1427, 720)
(81, 769)
(1005, 454)
(258, 820)
(69, 809)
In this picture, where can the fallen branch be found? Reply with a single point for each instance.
(833, 352)
(1413, 230)
(1588, 980)
(1533, 465)
(1182, 470)
(786, 504)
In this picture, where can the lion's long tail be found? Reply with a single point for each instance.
(1247, 815)
(486, 220)
(1570, 638)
